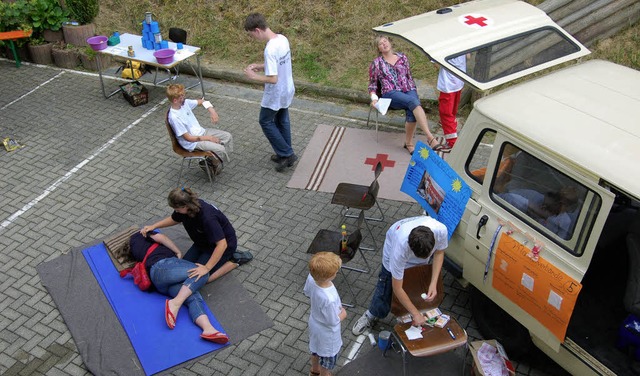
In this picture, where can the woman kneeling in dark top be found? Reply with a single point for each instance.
(214, 238)
(169, 273)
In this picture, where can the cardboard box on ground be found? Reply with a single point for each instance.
(477, 368)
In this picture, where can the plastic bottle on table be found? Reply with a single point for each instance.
(344, 239)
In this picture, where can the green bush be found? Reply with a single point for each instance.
(47, 15)
(83, 11)
(14, 16)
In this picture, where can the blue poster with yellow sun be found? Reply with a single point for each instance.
(436, 187)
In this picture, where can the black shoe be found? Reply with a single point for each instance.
(241, 258)
(216, 164)
(291, 160)
(286, 162)
(276, 158)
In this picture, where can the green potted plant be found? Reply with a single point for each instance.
(83, 12)
(47, 17)
(89, 59)
(40, 50)
(65, 55)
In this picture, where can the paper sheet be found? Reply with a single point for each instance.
(413, 333)
(383, 105)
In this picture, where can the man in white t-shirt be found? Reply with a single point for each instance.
(188, 131)
(450, 88)
(278, 89)
(409, 242)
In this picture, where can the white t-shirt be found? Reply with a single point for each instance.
(277, 62)
(184, 121)
(396, 254)
(447, 82)
(324, 324)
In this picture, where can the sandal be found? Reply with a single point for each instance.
(217, 337)
(410, 148)
(438, 147)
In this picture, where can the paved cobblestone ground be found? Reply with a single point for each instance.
(91, 166)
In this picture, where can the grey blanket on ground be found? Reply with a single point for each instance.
(370, 362)
(98, 335)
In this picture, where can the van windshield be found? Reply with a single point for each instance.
(508, 56)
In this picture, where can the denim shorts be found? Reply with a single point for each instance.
(404, 101)
(328, 362)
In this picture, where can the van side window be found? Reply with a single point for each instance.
(476, 166)
(544, 197)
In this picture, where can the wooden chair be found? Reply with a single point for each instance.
(189, 156)
(360, 197)
(435, 340)
(331, 241)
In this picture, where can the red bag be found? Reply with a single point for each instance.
(139, 271)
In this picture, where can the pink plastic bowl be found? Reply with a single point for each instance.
(98, 43)
(164, 56)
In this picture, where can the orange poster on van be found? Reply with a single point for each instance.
(538, 287)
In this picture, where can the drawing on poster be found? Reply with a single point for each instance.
(436, 187)
(429, 190)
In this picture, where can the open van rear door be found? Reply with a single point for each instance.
(502, 40)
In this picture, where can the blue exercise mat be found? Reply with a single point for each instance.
(142, 317)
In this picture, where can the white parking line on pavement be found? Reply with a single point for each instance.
(76, 168)
(33, 90)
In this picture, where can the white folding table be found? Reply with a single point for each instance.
(146, 57)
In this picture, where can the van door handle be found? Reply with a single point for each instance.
(483, 221)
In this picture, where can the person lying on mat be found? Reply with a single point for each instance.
(214, 239)
(390, 77)
(170, 275)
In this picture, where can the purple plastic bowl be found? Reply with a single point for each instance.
(98, 43)
(164, 56)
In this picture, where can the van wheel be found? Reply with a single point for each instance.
(494, 323)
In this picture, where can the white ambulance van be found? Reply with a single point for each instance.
(550, 240)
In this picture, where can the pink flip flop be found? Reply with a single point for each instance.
(217, 337)
(168, 316)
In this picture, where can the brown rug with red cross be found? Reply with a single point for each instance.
(339, 154)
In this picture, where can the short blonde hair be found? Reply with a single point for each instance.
(174, 91)
(323, 265)
(377, 40)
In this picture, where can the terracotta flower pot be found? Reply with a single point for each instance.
(53, 36)
(90, 63)
(77, 34)
(65, 58)
(41, 54)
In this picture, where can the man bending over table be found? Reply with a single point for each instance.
(409, 242)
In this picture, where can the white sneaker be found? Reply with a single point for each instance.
(363, 323)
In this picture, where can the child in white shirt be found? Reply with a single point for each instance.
(326, 313)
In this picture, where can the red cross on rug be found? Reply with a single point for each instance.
(480, 21)
(382, 158)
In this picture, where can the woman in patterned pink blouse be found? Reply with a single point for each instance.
(390, 77)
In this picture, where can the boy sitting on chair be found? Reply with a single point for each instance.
(326, 314)
(190, 134)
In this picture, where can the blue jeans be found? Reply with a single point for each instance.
(277, 128)
(170, 274)
(404, 101)
(381, 302)
(201, 255)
